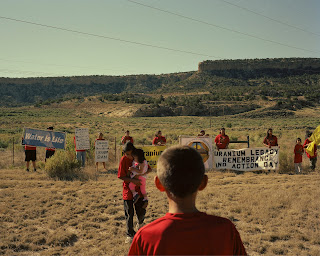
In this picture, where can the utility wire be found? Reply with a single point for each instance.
(221, 27)
(267, 17)
(108, 37)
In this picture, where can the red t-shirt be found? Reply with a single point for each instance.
(222, 141)
(124, 165)
(271, 141)
(307, 141)
(158, 139)
(125, 139)
(188, 234)
(28, 147)
(298, 151)
(79, 150)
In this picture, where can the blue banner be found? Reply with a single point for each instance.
(41, 138)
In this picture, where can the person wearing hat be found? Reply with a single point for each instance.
(126, 138)
(49, 151)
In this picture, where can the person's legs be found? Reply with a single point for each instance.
(313, 163)
(140, 211)
(143, 187)
(132, 188)
(129, 212)
(78, 154)
(28, 163)
(34, 165)
(83, 158)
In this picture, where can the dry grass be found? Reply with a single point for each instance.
(275, 214)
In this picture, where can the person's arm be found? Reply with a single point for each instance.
(133, 180)
(265, 142)
(154, 141)
(123, 140)
(227, 141)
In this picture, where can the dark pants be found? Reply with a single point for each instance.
(129, 209)
(313, 162)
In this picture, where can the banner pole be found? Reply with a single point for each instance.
(12, 151)
(115, 149)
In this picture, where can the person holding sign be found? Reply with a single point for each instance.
(185, 230)
(222, 140)
(159, 140)
(30, 155)
(270, 140)
(80, 153)
(138, 170)
(49, 151)
(126, 138)
(100, 137)
(312, 159)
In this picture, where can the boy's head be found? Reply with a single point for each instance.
(180, 170)
(298, 141)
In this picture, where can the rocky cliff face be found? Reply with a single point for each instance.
(261, 64)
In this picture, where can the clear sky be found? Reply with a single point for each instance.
(211, 29)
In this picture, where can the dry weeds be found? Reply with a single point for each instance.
(275, 214)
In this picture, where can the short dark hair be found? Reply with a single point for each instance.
(298, 139)
(128, 147)
(180, 170)
(140, 154)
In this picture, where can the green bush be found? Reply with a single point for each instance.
(64, 166)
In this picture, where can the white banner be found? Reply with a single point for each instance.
(82, 138)
(202, 144)
(248, 159)
(101, 150)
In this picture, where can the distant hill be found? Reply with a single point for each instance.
(224, 86)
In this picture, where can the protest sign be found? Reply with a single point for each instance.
(82, 138)
(151, 153)
(248, 159)
(202, 144)
(101, 150)
(44, 138)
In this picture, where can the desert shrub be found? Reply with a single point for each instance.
(64, 166)
(286, 163)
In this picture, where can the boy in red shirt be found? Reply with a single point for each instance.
(313, 159)
(222, 140)
(184, 230)
(298, 152)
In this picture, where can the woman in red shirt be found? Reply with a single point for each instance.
(270, 140)
(222, 140)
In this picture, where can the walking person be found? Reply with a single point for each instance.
(130, 209)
